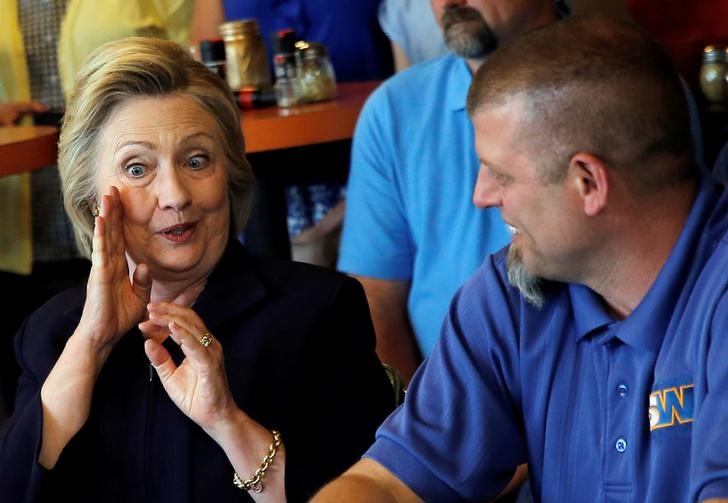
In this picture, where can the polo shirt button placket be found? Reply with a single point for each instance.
(620, 445)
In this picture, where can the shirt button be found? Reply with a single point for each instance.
(622, 390)
(620, 444)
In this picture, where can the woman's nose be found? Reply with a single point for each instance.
(173, 190)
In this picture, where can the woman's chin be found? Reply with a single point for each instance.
(175, 267)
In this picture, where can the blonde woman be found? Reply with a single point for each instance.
(187, 369)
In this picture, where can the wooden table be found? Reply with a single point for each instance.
(296, 146)
(27, 148)
(274, 128)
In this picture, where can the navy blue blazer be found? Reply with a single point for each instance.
(299, 353)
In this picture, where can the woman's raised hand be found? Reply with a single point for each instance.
(198, 386)
(114, 303)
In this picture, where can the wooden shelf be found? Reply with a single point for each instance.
(274, 128)
(27, 148)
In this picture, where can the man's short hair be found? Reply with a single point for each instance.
(593, 85)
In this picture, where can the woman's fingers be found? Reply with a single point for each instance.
(185, 328)
(117, 242)
(151, 330)
(192, 343)
(108, 255)
(103, 232)
(160, 359)
(183, 316)
(98, 253)
(112, 212)
(142, 282)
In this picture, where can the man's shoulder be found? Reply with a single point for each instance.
(420, 79)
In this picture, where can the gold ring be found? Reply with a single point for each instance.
(95, 210)
(206, 339)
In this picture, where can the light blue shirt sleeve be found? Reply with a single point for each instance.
(376, 240)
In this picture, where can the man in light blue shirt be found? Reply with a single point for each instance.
(594, 347)
(411, 234)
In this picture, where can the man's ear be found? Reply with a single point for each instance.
(589, 173)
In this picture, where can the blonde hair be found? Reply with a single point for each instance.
(139, 67)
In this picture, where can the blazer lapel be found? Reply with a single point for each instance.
(233, 288)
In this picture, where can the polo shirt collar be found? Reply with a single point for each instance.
(646, 326)
(458, 83)
(589, 311)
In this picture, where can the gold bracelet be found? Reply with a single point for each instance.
(255, 483)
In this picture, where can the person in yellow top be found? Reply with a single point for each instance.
(42, 45)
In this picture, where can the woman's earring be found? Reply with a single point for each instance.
(95, 210)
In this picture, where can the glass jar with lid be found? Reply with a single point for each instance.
(245, 54)
(714, 75)
(316, 78)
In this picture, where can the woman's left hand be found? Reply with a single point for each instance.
(198, 386)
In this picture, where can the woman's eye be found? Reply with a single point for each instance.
(136, 170)
(198, 162)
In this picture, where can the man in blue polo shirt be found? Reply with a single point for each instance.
(595, 347)
(411, 234)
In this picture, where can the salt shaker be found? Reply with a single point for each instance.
(284, 63)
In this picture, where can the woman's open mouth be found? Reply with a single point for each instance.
(179, 233)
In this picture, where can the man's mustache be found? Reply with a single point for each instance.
(456, 15)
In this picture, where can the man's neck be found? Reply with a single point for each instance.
(631, 263)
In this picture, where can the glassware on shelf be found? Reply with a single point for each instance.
(714, 76)
(315, 72)
(245, 55)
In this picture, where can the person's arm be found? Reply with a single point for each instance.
(377, 244)
(396, 343)
(369, 481)
(114, 304)
(206, 17)
(364, 482)
(12, 111)
(198, 386)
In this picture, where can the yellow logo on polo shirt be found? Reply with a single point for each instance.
(671, 406)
